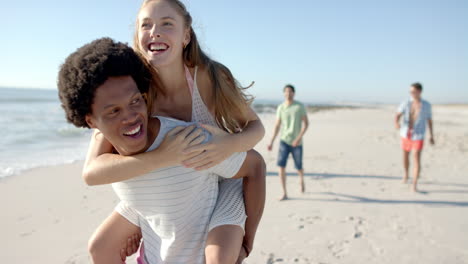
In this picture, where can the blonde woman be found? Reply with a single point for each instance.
(194, 88)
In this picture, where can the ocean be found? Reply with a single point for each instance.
(35, 131)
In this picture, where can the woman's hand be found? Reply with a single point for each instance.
(212, 153)
(179, 139)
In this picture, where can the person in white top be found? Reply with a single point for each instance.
(100, 87)
(164, 37)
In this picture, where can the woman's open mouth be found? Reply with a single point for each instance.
(158, 48)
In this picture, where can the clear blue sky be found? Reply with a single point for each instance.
(330, 50)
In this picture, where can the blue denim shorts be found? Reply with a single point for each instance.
(283, 154)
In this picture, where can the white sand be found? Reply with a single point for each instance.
(355, 210)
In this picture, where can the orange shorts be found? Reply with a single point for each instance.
(407, 144)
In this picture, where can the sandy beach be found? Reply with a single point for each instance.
(355, 209)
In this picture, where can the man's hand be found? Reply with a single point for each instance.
(270, 147)
(397, 125)
(133, 243)
(296, 142)
(242, 256)
(431, 140)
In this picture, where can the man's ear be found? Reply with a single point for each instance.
(90, 121)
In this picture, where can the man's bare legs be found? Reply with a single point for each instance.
(416, 169)
(301, 180)
(282, 174)
(406, 164)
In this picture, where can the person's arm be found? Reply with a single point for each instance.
(250, 135)
(222, 145)
(305, 120)
(104, 167)
(431, 132)
(400, 111)
(430, 125)
(275, 133)
(397, 120)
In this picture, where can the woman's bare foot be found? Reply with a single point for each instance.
(284, 197)
(405, 179)
(302, 187)
(414, 189)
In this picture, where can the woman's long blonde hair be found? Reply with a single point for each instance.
(231, 102)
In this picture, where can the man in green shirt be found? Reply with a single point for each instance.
(291, 117)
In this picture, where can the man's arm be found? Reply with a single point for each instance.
(397, 120)
(275, 133)
(305, 120)
(431, 132)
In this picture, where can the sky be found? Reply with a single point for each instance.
(330, 50)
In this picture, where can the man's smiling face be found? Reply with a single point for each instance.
(119, 112)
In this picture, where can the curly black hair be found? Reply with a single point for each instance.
(89, 67)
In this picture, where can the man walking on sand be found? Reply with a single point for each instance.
(416, 113)
(290, 116)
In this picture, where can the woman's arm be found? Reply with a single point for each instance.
(103, 167)
(250, 135)
(223, 144)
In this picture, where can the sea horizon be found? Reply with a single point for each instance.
(277, 101)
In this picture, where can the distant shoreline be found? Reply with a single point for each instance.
(311, 108)
(319, 103)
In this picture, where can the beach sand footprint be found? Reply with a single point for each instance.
(297, 259)
(359, 227)
(338, 249)
(25, 234)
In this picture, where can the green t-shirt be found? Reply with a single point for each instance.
(291, 120)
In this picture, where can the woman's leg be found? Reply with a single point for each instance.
(113, 235)
(224, 244)
(229, 215)
(253, 172)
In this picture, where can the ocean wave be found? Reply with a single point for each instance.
(27, 100)
(264, 108)
(72, 131)
(5, 172)
(16, 170)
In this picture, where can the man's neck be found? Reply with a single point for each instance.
(154, 126)
(289, 102)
